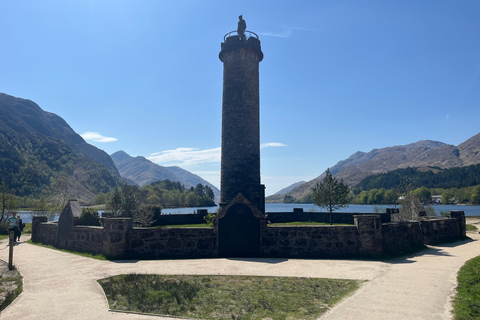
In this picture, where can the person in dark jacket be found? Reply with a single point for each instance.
(21, 225)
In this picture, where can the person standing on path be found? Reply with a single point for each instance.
(13, 225)
(20, 226)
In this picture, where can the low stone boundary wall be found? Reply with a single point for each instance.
(367, 237)
(86, 239)
(177, 219)
(337, 217)
(161, 243)
(43, 231)
(401, 236)
(310, 242)
(440, 230)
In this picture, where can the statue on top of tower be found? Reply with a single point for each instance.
(242, 26)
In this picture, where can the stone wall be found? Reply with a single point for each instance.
(86, 239)
(310, 242)
(367, 237)
(163, 243)
(178, 219)
(440, 230)
(337, 217)
(400, 237)
(44, 232)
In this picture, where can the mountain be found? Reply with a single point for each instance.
(422, 154)
(37, 148)
(289, 188)
(142, 171)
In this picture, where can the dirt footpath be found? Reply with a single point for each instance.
(59, 285)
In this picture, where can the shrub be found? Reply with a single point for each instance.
(89, 217)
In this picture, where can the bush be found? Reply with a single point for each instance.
(89, 217)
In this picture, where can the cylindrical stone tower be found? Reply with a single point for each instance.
(240, 170)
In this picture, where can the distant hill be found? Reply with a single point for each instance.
(36, 147)
(422, 154)
(142, 171)
(289, 188)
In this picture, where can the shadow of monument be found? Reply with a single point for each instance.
(260, 260)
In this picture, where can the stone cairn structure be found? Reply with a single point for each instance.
(240, 228)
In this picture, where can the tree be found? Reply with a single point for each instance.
(8, 201)
(288, 199)
(330, 193)
(89, 217)
(129, 201)
(423, 194)
(475, 197)
(115, 202)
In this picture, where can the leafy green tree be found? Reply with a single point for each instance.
(209, 193)
(330, 193)
(475, 197)
(447, 196)
(89, 217)
(423, 194)
(129, 201)
(115, 202)
(100, 198)
(288, 199)
(8, 201)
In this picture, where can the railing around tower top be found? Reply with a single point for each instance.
(250, 34)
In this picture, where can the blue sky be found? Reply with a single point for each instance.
(337, 77)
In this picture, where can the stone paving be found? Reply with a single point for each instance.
(60, 285)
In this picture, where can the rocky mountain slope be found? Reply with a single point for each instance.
(421, 154)
(142, 171)
(37, 147)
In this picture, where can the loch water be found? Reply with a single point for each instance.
(288, 207)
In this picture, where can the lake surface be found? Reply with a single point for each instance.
(288, 207)
(361, 208)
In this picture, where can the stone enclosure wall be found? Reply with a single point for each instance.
(366, 237)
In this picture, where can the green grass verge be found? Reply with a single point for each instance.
(225, 297)
(471, 227)
(11, 295)
(200, 225)
(308, 223)
(83, 254)
(466, 305)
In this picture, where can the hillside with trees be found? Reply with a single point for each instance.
(143, 172)
(41, 155)
(165, 193)
(425, 155)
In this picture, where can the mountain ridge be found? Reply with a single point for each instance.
(143, 171)
(420, 154)
(38, 149)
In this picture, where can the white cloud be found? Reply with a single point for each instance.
(193, 156)
(97, 137)
(272, 144)
(186, 156)
(283, 34)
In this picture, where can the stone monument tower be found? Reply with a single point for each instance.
(240, 168)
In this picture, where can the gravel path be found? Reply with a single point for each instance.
(59, 285)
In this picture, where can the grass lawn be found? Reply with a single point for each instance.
(466, 305)
(225, 297)
(471, 227)
(308, 223)
(200, 225)
(83, 254)
(11, 285)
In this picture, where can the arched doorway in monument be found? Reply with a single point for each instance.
(239, 231)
